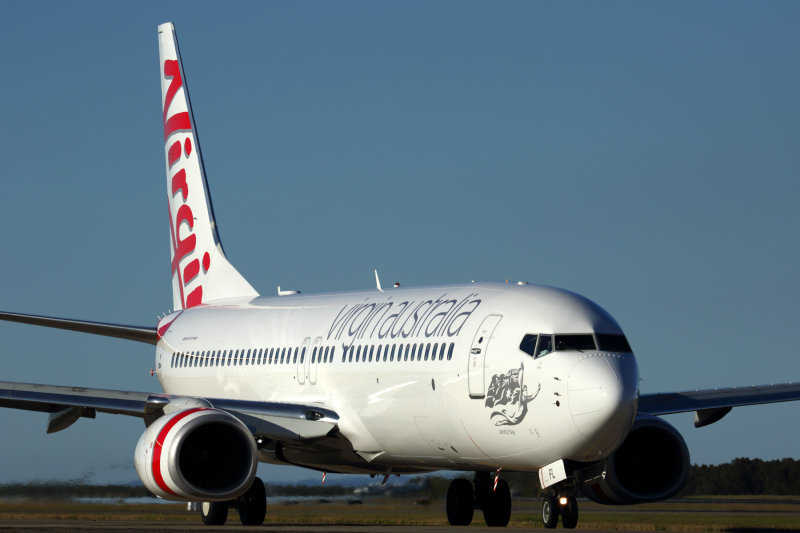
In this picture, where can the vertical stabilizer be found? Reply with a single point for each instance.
(200, 271)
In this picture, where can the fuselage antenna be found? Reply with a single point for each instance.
(378, 280)
(286, 293)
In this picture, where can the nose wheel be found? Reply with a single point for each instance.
(549, 511)
(563, 505)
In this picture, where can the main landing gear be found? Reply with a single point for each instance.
(555, 503)
(252, 507)
(495, 502)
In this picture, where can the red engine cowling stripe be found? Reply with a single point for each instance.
(162, 435)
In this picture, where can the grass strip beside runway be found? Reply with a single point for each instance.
(693, 515)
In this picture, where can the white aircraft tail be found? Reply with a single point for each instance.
(200, 271)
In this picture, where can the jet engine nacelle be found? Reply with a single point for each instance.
(652, 464)
(197, 454)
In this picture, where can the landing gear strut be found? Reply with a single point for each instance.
(555, 504)
(495, 502)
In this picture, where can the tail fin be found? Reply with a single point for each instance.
(200, 271)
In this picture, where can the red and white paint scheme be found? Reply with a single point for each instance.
(176, 434)
(484, 378)
(200, 271)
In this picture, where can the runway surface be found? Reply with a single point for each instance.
(721, 515)
(137, 526)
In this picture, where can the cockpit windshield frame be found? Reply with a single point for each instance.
(540, 344)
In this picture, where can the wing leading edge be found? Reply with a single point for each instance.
(134, 333)
(712, 404)
(271, 420)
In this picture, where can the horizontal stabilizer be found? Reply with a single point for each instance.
(134, 333)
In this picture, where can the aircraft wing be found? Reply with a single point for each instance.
(272, 420)
(134, 333)
(712, 404)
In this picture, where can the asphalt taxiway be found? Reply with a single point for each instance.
(130, 526)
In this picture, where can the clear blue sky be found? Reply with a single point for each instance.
(643, 154)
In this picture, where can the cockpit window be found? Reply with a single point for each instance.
(542, 344)
(575, 342)
(528, 344)
(545, 345)
(613, 343)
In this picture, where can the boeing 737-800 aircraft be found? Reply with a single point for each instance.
(477, 377)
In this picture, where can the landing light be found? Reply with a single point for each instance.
(562, 500)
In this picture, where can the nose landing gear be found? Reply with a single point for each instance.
(555, 503)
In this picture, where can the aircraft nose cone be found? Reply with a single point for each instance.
(602, 392)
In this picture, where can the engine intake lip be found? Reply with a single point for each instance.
(652, 464)
(213, 456)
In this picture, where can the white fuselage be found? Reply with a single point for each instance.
(462, 396)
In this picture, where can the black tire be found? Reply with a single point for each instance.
(497, 511)
(253, 504)
(569, 513)
(550, 512)
(460, 503)
(214, 513)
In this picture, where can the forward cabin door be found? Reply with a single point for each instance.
(301, 366)
(477, 356)
(311, 363)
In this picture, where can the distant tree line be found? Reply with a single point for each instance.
(68, 490)
(57, 490)
(739, 477)
(745, 477)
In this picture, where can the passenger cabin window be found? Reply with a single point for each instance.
(613, 343)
